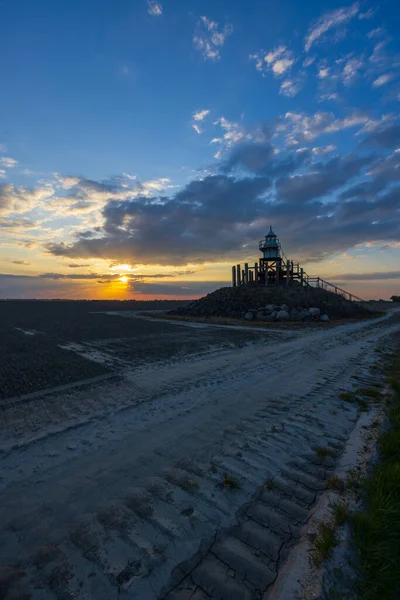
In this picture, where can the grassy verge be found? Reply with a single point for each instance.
(376, 530)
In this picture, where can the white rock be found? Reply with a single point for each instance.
(314, 312)
(283, 315)
(324, 318)
(249, 316)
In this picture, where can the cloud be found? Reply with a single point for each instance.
(182, 288)
(384, 136)
(2, 173)
(290, 87)
(329, 21)
(351, 70)
(209, 38)
(278, 61)
(321, 150)
(7, 162)
(322, 180)
(200, 115)
(383, 79)
(368, 14)
(374, 276)
(197, 128)
(19, 200)
(154, 8)
(20, 262)
(304, 128)
(78, 266)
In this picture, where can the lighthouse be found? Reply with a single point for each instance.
(271, 261)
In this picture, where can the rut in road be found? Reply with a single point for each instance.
(197, 493)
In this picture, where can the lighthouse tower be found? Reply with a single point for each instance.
(271, 261)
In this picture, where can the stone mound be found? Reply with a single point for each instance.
(294, 300)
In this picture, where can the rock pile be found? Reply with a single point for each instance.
(272, 313)
(273, 303)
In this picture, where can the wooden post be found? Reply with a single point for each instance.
(243, 278)
(233, 276)
(335, 290)
(251, 276)
(246, 273)
(291, 271)
(256, 271)
(287, 272)
(301, 275)
(350, 297)
(237, 274)
(266, 273)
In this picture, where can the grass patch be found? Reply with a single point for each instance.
(213, 467)
(231, 482)
(347, 396)
(370, 392)
(353, 479)
(270, 484)
(377, 528)
(323, 544)
(363, 405)
(340, 513)
(189, 484)
(322, 452)
(335, 483)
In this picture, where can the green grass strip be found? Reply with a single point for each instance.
(377, 528)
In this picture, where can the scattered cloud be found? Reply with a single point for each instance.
(200, 115)
(78, 265)
(367, 14)
(383, 79)
(7, 162)
(3, 173)
(210, 37)
(328, 22)
(278, 61)
(374, 276)
(291, 87)
(154, 8)
(197, 128)
(321, 150)
(386, 135)
(20, 262)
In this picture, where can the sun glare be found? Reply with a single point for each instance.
(123, 279)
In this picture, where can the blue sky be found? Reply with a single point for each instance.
(129, 129)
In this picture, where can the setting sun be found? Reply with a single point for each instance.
(123, 279)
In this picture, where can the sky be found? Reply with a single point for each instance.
(145, 146)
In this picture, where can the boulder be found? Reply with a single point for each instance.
(269, 308)
(305, 315)
(314, 312)
(295, 315)
(283, 315)
(249, 316)
(285, 307)
(324, 318)
(260, 315)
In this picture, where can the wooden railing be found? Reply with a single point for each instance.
(326, 285)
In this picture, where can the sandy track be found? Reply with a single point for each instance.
(111, 505)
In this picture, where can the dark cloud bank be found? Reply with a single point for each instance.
(317, 207)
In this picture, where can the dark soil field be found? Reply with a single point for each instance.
(33, 333)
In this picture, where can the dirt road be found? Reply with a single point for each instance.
(150, 482)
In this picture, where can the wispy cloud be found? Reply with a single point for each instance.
(329, 21)
(20, 262)
(290, 87)
(154, 8)
(278, 60)
(197, 128)
(7, 162)
(383, 80)
(199, 115)
(210, 37)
